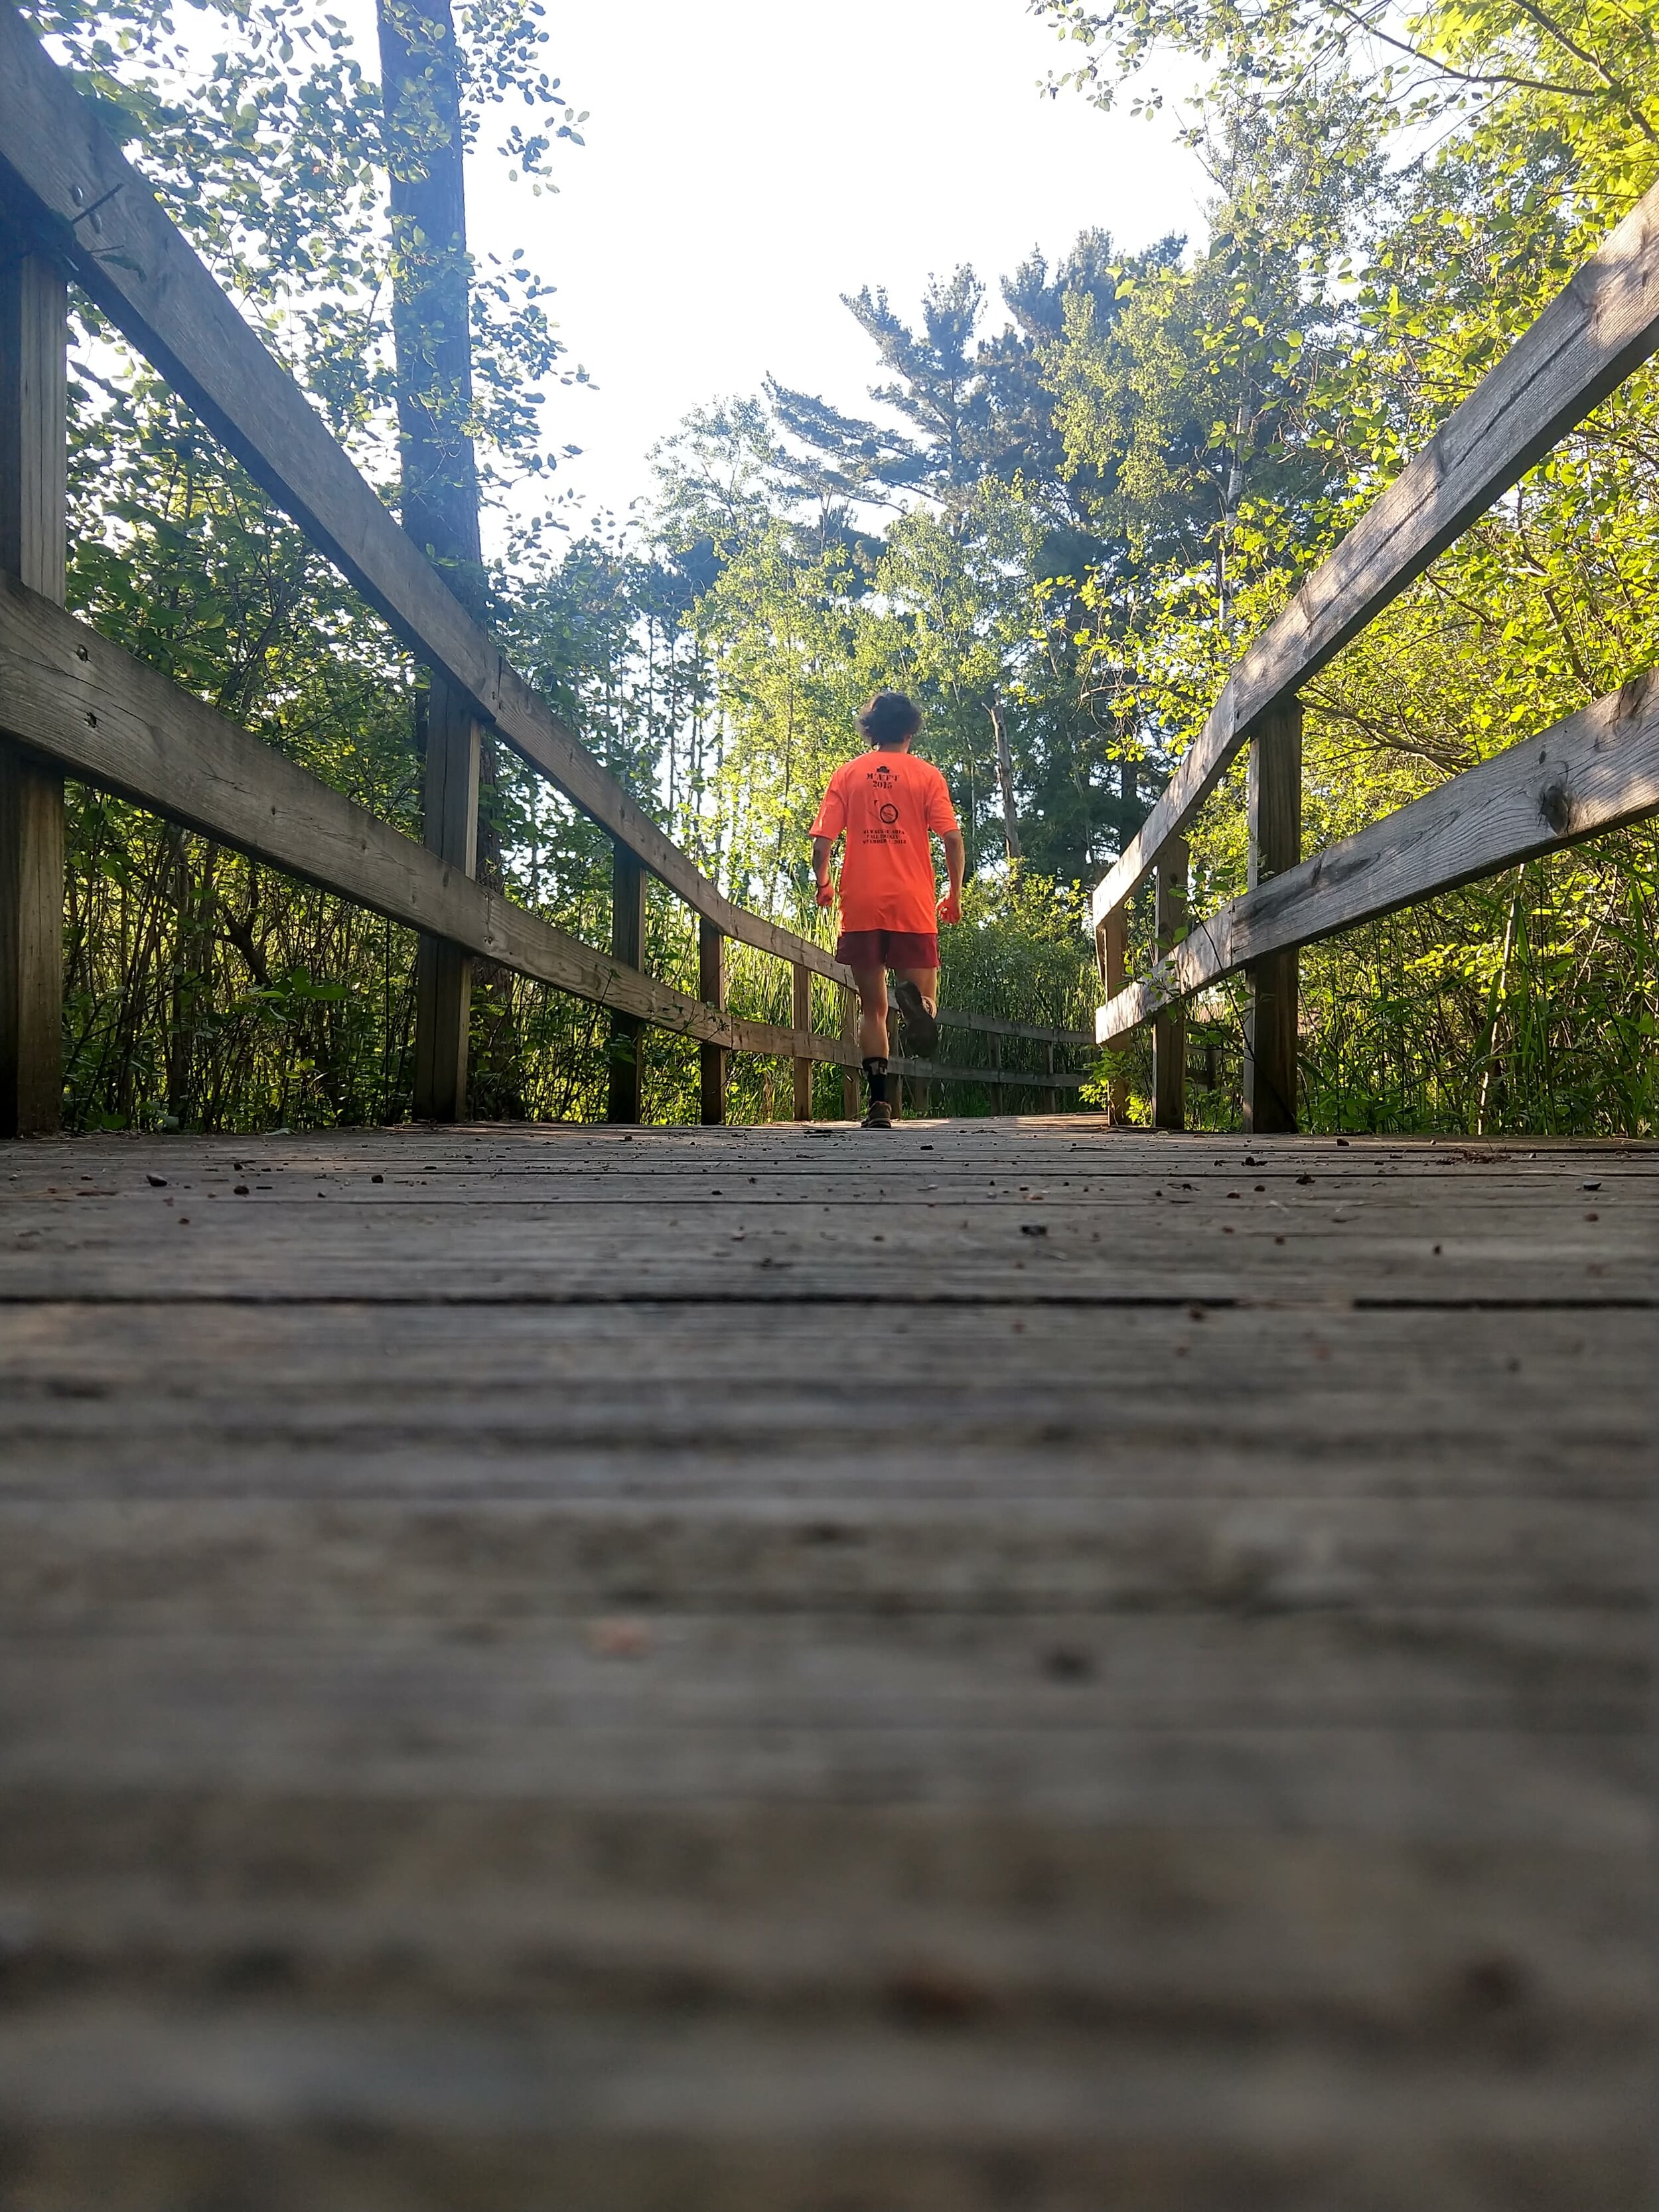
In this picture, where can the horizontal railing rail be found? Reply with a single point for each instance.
(990, 1079)
(82, 705)
(997, 1077)
(993, 1025)
(1595, 771)
(1601, 327)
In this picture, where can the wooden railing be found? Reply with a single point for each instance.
(1593, 771)
(73, 210)
(998, 1077)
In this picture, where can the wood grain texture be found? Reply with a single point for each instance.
(34, 435)
(33, 369)
(31, 944)
(1112, 954)
(801, 1016)
(628, 921)
(61, 166)
(485, 1718)
(1594, 772)
(1015, 1078)
(1272, 1026)
(443, 972)
(1169, 1024)
(993, 1025)
(711, 989)
(1603, 324)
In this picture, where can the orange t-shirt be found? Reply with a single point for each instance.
(887, 802)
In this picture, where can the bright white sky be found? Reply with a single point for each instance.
(748, 160)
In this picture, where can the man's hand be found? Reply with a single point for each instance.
(825, 894)
(955, 858)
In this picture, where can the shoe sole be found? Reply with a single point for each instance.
(921, 1028)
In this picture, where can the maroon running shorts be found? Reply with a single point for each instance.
(889, 948)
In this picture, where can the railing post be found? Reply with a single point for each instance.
(849, 1073)
(627, 945)
(1270, 1025)
(1114, 974)
(711, 987)
(997, 1100)
(801, 1020)
(1169, 1026)
(34, 339)
(443, 972)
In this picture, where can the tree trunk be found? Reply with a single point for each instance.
(431, 288)
(1005, 777)
(431, 326)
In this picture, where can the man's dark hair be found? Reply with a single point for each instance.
(888, 719)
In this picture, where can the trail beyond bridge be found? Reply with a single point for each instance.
(1017, 1665)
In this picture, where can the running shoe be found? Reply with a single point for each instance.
(920, 1030)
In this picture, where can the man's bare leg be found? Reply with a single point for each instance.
(872, 1012)
(873, 1042)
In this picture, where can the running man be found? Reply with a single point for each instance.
(887, 802)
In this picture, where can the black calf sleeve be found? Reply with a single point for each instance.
(875, 1074)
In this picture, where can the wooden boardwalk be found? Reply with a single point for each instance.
(1013, 1668)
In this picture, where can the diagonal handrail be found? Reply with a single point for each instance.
(1602, 325)
(1594, 771)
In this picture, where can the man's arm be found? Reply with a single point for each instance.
(822, 849)
(956, 860)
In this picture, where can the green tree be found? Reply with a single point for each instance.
(1404, 191)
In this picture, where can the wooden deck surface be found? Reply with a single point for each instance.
(1007, 1668)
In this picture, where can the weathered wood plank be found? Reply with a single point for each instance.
(711, 989)
(443, 971)
(1275, 848)
(125, 252)
(1169, 1024)
(455, 1752)
(993, 1025)
(1071, 2113)
(927, 1247)
(1601, 327)
(626, 1098)
(1591, 773)
(187, 1557)
(34, 334)
(31, 944)
(325, 1401)
(801, 1016)
(742, 2115)
(1013, 1079)
(1112, 943)
(1047, 1917)
(740, 1695)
